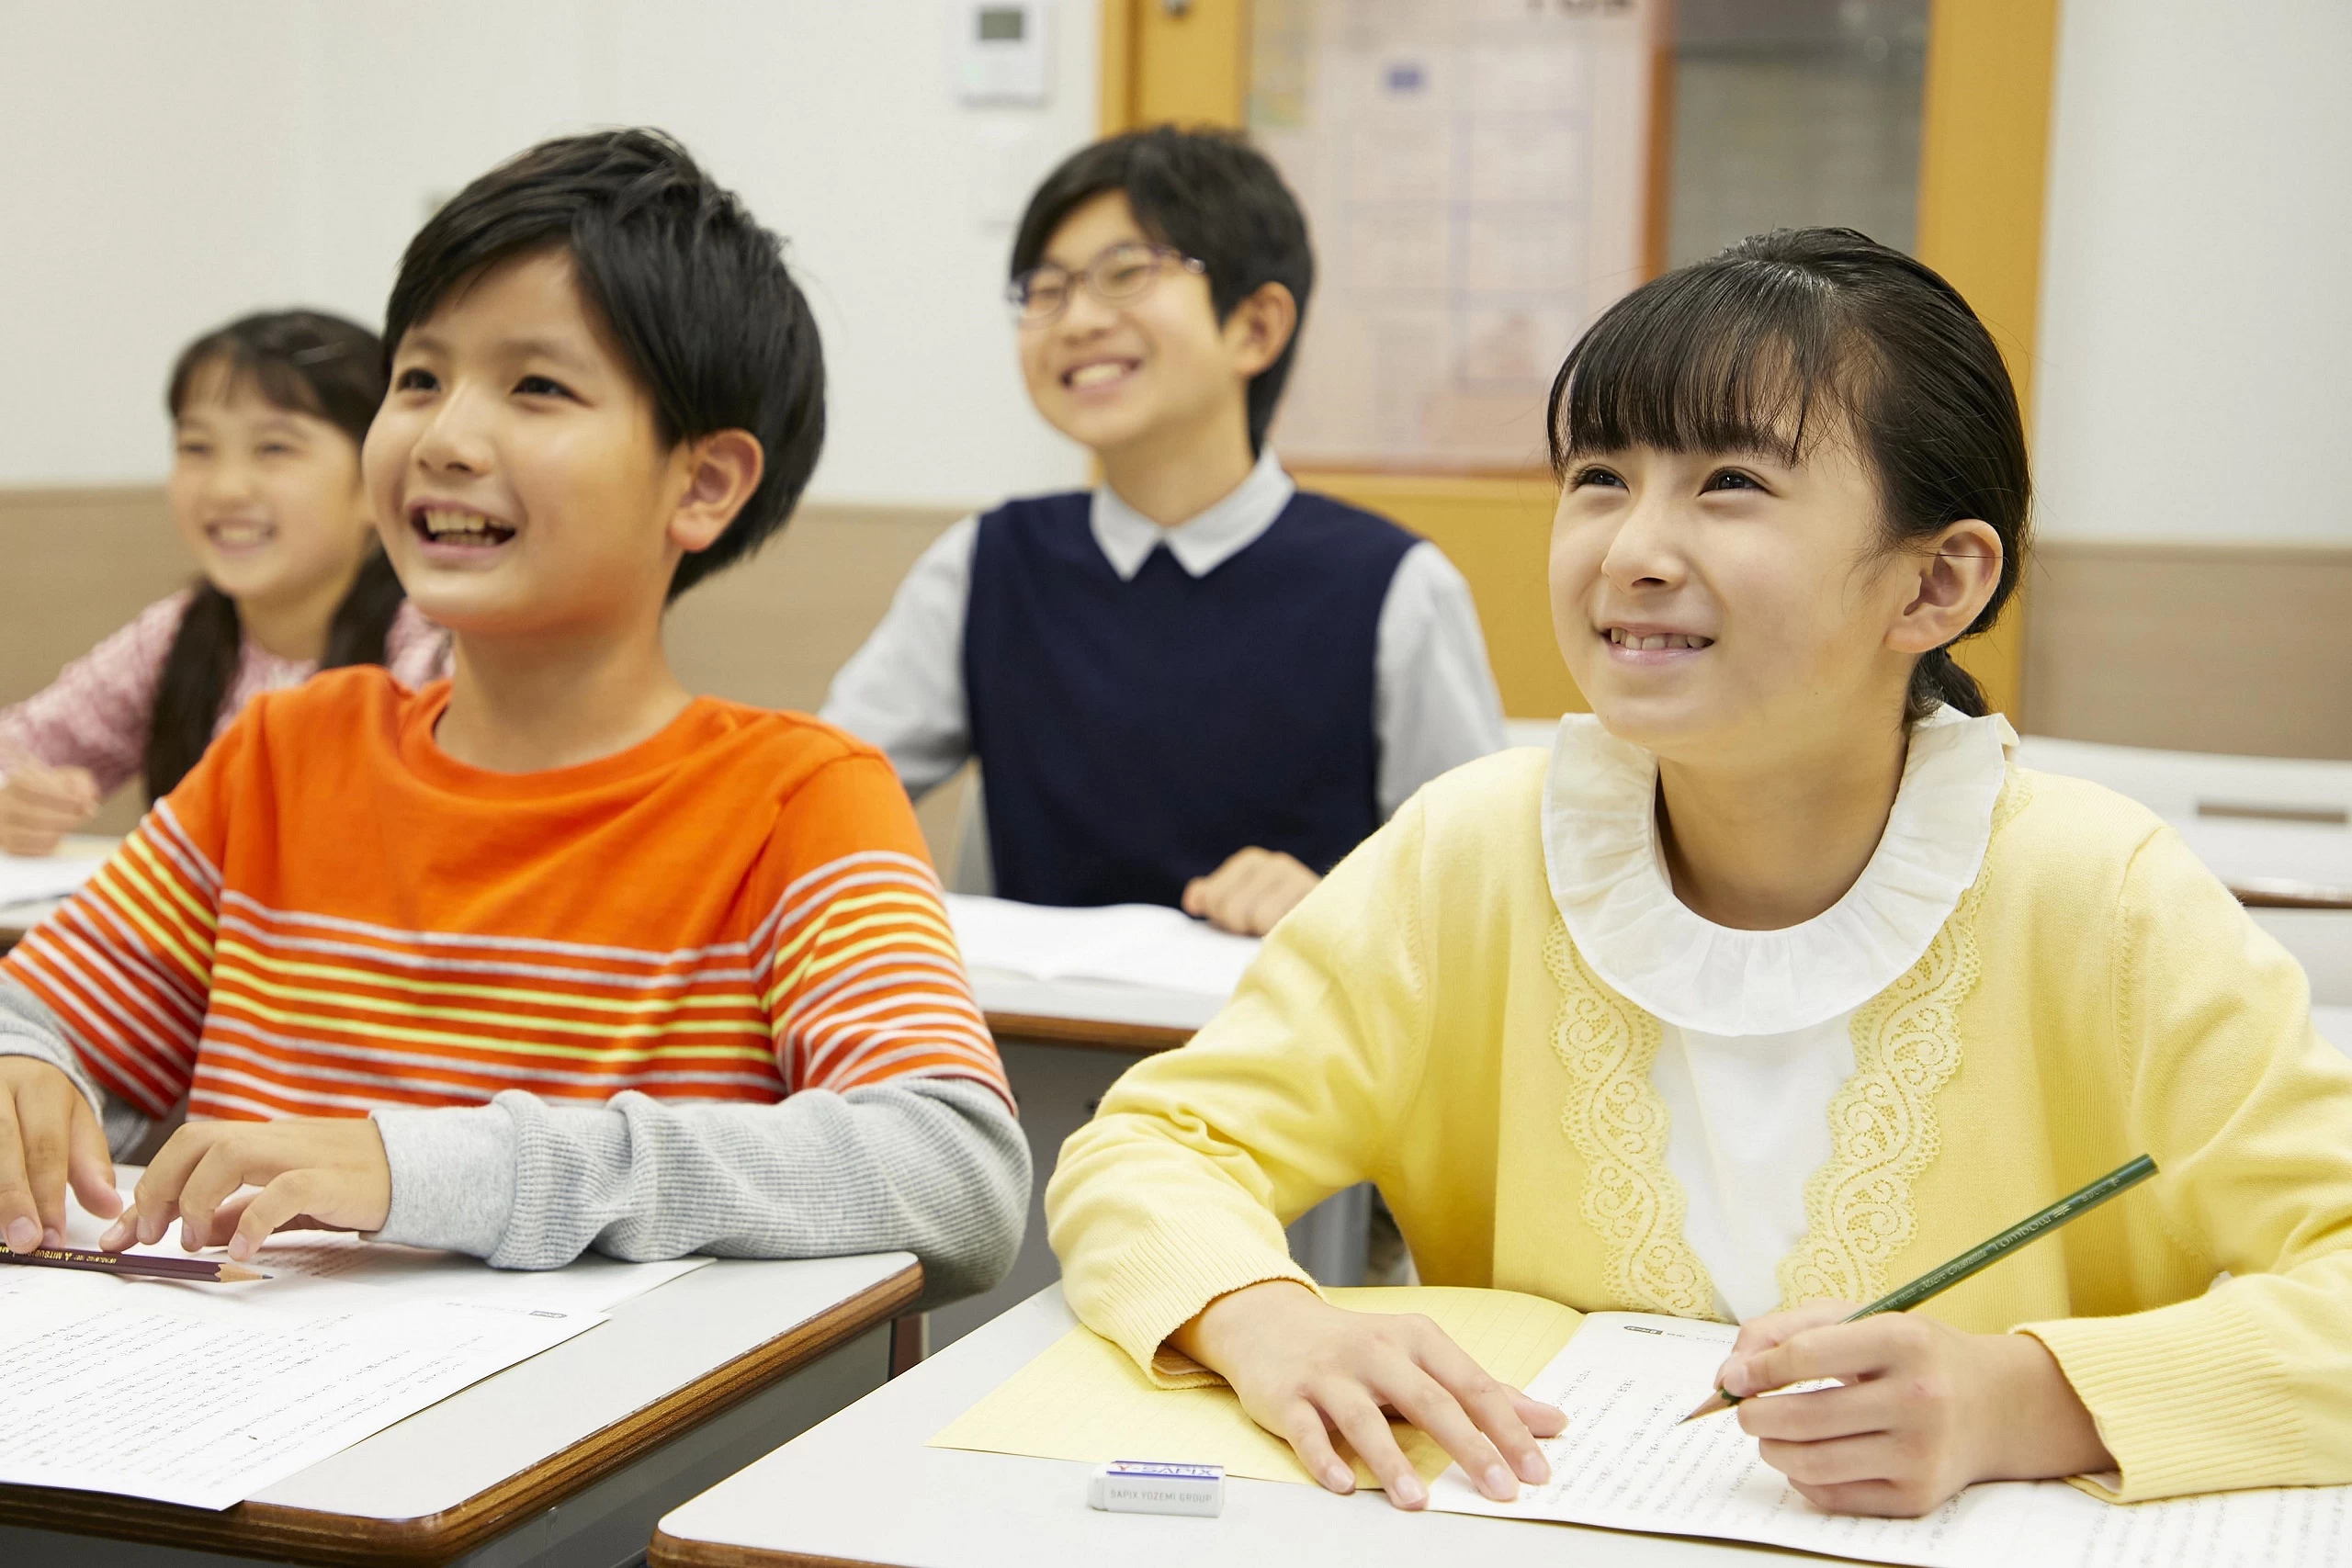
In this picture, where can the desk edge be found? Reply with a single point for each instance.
(675, 1551)
(432, 1539)
(1093, 1034)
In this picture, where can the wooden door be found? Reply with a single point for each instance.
(1983, 135)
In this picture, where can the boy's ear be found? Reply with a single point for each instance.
(722, 471)
(1260, 328)
(1951, 581)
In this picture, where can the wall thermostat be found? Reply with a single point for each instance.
(1003, 50)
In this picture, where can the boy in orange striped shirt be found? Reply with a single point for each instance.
(552, 956)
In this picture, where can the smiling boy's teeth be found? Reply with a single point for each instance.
(445, 524)
(1088, 375)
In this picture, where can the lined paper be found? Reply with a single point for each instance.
(1624, 1462)
(1084, 1399)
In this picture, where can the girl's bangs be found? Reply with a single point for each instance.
(1733, 358)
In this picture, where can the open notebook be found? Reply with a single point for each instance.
(1625, 1379)
(1129, 944)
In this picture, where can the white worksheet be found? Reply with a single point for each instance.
(1133, 944)
(1623, 1462)
(315, 1272)
(171, 1393)
(207, 1394)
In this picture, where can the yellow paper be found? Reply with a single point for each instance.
(1084, 1399)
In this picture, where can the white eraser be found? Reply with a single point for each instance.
(1148, 1486)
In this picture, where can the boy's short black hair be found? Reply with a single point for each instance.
(1206, 193)
(693, 291)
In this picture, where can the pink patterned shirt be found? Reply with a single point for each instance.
(95, 715)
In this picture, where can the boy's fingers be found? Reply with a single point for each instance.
(157, 1196)
(19, 1217)
(1311, 1441)
(213, 1182)
(124, 1232)
(43, 1129)
(290, 1196)
(89, 1166)
(1366, 1429)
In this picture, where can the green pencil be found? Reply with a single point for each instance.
(1943, 1277)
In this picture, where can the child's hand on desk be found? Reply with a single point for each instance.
(48, 1135)
(1305, 1369)
(314, 1172)
(1924, 1410)
(1250, 892)
(39, 805)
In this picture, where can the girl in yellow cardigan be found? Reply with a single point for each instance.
(1772, 986)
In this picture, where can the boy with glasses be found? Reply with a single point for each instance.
(1196, 684)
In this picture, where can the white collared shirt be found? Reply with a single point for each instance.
(1434, 705)
(1755, 1026)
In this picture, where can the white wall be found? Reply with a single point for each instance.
(2194, 375)
(166, 167)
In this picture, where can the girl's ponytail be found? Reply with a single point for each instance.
(306, 362)
(1938, 678)
(195, 680)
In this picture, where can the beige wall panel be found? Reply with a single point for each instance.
(2193, 648)
(82, 562)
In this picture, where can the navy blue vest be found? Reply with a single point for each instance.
(1133, 734)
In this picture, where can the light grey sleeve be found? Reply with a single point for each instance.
(29, 1028)
(935, 1167)
(1434, 705)
(903, 691)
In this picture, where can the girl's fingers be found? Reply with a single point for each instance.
(1821, 1412)
(1493, 1407)
(1843, 1350)
(1763, 1333)
(1838, 1461)
(1438, 1411)
(1366, 1429)
(1303, 1429)
(1543, 1420)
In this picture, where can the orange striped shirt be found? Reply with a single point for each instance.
(329, 915)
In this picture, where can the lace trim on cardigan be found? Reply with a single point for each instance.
(1616, 1122)
(1882, 1125)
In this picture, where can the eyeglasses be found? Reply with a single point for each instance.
(1120, 273)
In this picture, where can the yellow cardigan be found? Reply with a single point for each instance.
(1422, 1021)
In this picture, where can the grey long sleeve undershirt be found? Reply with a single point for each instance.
(934, 1167)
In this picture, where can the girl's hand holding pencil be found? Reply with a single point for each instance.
(1921, 1409)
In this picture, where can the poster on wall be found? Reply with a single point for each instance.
(1476, 178)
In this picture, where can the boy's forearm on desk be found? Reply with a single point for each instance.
(935, 1167)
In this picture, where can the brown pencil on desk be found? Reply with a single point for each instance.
(2073, 1206)
(145, 1266)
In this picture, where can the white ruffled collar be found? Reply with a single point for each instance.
(1602, 858)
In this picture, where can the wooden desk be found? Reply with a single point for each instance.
(864, 1489)
(563, 1460)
